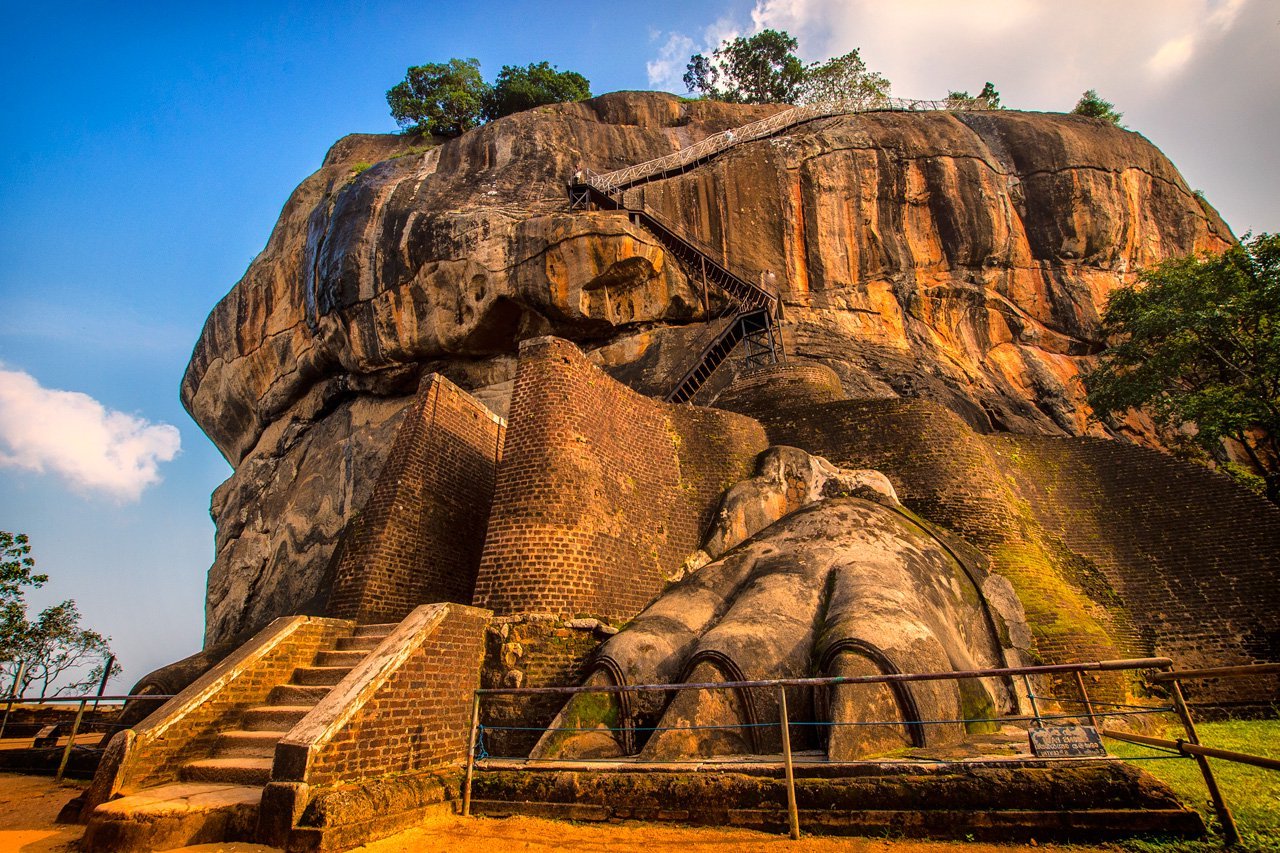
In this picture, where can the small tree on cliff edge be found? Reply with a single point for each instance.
(1198, 346)
(1092, 105)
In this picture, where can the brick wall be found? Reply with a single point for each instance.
(784, 385)
(1194, 558)
(602, 493)
(1114, 550)
(418, 719)
(420, 536)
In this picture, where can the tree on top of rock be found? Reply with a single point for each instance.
(760, 69)
(988, 95)
(1198, 347)
(843, 77)
(517, 89)
(450, 98)
(1092, 105)
(442, 99)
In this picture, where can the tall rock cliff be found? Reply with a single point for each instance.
(960, 257)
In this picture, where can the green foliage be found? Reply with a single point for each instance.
(1252, 793)
(844, 77)
(1197, 345)
(17, 571)
(760, 69)
(444, 99)
(1092, 105)
(518, 89)
(448, 99)
(54, 645)
(988, 95)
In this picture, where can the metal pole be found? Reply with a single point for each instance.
(102, 685)
(71, 741)
(792, 814)
(13, 694)
(1031, 697)
(1084, 696)
(471, 754)
(1229, 832)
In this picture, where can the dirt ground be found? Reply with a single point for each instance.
(29, 805)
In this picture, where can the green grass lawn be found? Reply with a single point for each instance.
(1252, 793)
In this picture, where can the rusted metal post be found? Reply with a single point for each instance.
(471, 754)
(1084, 697)
(1031, 697)
(71, 741)
(1230, 834)
(792, 813)
(102, 685)
(13, 694)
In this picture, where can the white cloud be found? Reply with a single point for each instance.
(73, 435)
(667, 68)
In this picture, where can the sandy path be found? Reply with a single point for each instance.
(29, 805)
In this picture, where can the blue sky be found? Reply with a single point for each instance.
(148, 148)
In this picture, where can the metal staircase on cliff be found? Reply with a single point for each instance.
(757, 311)
(677, 162)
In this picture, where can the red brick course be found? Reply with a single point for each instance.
(420, 718)
(420, 536)
(1115, 550)
(602, 492)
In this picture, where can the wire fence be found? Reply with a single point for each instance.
(1106, 719)
(34, 732)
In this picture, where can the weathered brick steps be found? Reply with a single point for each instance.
(218, 794)
(244, 756)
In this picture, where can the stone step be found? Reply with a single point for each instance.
(383, 630)
(228, 771)
(173, 816)
(274, 717)
(297, 694)
(347, 659)
(319, 675)
(351, 644)
(260, 743)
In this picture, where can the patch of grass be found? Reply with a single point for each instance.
(1252, 793)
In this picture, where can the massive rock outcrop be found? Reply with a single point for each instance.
(958, 257)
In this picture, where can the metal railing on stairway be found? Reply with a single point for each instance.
(678, 161)
(757, 308)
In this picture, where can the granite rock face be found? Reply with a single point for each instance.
(958, 257)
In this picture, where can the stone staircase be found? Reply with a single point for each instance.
(217, 794)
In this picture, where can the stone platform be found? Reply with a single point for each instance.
(996, 799)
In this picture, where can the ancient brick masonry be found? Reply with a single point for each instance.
(420, 719)
(1114, 550)
(1195, 558)
(602, 493)
(420, 536)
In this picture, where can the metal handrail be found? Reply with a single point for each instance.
(612, 182)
